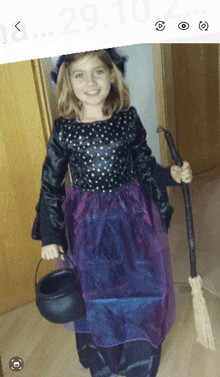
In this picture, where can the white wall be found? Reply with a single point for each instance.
(140, 78)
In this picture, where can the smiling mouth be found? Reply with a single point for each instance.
(92, 93)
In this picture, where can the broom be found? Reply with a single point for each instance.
(202, 321)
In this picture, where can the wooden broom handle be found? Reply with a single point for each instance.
(188, 208)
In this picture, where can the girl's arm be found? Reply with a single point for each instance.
(145, 164)
(49, 223)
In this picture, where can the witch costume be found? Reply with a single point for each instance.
(113, 222)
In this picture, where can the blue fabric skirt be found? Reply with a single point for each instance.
(119, 244)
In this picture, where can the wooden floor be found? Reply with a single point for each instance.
(49, 350)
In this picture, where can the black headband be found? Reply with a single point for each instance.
(114, 55)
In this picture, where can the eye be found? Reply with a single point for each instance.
(78, 76)
(99, 71)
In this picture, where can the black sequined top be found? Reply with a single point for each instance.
(102, 156)
(100, 152)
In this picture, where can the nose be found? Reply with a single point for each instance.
(90, 79)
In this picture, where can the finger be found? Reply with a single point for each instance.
(46, 254)
(185, 165)
(187, 179)
(61, 256)
(43, 255)
(187, 170)
(178, 179)
(187, 173)
(177, 168)
(60, 249)
(52, 254)
(56, 252)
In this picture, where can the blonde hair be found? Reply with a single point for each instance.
(69, 106)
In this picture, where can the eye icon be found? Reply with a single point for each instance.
(183, 26)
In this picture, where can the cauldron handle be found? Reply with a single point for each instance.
(60, 252)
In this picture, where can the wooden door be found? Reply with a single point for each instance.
(187, 85)
(24, 129)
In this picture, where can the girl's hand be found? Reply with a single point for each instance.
(51, 252)
(183, 173)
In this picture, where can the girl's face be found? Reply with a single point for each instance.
(91, 81)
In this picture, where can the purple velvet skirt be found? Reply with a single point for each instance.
(119, 245)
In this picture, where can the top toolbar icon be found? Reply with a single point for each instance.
(160, 25)
(203, 25)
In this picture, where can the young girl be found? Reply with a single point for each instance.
(112, 220)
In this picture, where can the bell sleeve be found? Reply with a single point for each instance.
(49, 223)
(145, 164)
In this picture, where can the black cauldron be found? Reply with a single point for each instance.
(59, 297)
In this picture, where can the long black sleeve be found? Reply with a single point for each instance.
(49, 223)
(145, 164)
(150, 173)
